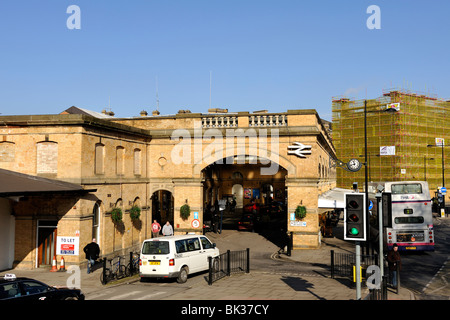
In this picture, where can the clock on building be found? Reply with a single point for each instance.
(354, 165)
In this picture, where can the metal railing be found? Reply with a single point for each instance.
(343, 264)
(228, 263)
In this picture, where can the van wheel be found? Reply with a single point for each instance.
(182, 277)
(216, 265)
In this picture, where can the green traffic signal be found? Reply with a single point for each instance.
(354, 231)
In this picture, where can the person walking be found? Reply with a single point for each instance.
(156, 228)
(167, 229)
(394, 263)
(92, 251)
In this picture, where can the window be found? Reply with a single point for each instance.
(193, 244)
(96, 222)
(32, 287)
(137, 161)
(181, 246)
(99, 158)
(120, 152)
(187, 245)
(206, 243)
(47, 157)
(7, 151)
(9, 290)
(237, 175)
(413, 188)
(156, 247)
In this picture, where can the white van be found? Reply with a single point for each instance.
(175, 256)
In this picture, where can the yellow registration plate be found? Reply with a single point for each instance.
(155, 263)
(411, 248)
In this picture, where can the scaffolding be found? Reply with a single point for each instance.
(419, 120)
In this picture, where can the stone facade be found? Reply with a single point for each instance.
(126, 160)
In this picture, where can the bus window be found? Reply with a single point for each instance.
(406, 188)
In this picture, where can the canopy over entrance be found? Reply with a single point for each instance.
(333, 199)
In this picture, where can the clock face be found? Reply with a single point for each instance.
(354, 165)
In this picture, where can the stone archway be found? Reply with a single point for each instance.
(163, 206)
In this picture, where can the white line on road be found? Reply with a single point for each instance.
(125, 295)
(147, 297)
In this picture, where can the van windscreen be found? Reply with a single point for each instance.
(155, 247)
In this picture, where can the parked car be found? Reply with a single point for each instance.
(21, 288)
(247, 222)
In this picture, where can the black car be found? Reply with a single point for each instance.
(12, 288)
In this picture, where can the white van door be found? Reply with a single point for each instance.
(195, 253)
(208, 250)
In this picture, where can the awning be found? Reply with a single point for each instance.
(333, 199)
(19, 184)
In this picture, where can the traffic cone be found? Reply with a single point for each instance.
(62, 266)
(54, 268)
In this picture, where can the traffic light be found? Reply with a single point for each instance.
(386, 202)
(355, 217)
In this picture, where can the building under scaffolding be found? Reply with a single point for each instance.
(400, 125)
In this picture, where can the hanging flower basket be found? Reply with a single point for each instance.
(300, 212)
(116, 214)
(185, 211)
(135, 212)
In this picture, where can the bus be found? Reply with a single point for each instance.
(411, 225)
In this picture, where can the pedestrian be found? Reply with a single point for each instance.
(394, 263)
(167, 229)
(156, 228)
(92, 251)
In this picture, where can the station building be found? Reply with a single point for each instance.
(88, 168)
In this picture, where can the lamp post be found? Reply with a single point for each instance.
(425, 167)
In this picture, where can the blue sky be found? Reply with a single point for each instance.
(265, 54)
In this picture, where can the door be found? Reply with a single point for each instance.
(238, 192)
(208, 250)
(196, 255)
(46, 242)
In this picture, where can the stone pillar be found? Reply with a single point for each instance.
(192, 191)
(303, 192)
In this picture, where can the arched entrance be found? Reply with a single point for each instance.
(162, 206)
(244, 181)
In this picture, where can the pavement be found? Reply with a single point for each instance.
(273, 275)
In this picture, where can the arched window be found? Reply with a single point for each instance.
(237, 176)
(96, 222)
